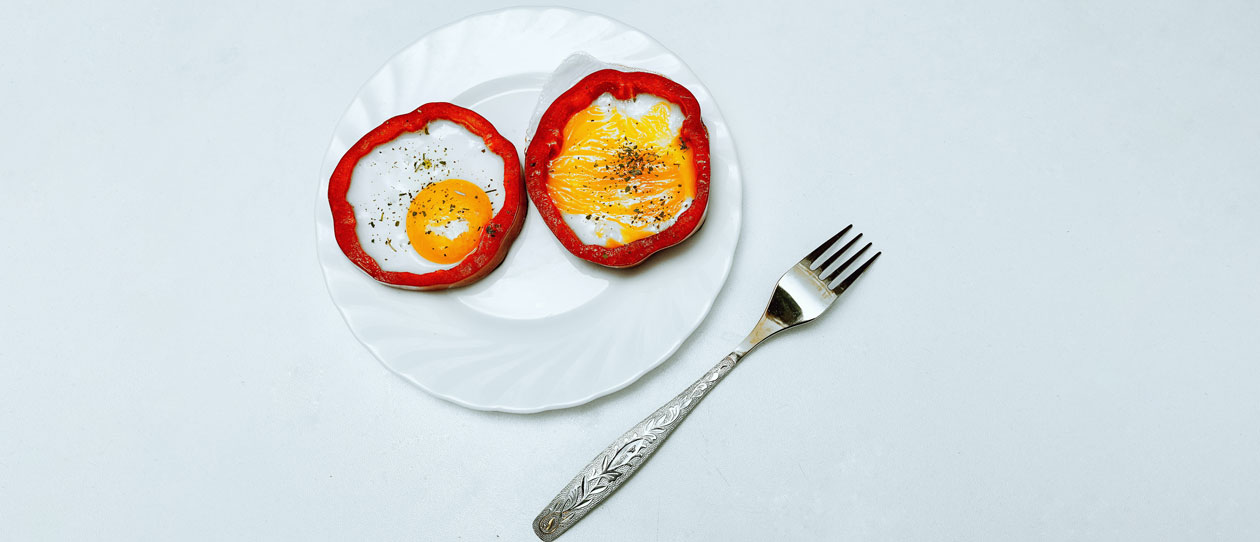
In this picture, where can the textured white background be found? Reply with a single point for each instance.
(1060, 343)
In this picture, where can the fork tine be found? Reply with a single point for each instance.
(832, 275)
(844, 284)
(823, 268)
(809, 259)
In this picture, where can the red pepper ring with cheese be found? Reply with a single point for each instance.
(622, 170)
(498, 234)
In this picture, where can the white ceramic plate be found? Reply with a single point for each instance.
(545, 330)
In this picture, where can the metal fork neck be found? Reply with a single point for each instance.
(764, 329)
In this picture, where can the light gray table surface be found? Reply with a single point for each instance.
(1061, 341)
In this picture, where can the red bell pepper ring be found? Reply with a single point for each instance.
(548, 142)
(499, 233)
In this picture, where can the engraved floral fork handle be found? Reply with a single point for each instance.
(802, 294)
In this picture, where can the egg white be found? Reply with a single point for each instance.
(386, 180)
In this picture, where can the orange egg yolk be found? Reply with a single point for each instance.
(632, 172)
(446, 219)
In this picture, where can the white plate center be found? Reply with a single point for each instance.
(539, 278)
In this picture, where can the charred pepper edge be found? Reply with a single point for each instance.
(548, 140)
(490, 250)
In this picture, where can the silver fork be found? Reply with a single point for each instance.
(802, 294)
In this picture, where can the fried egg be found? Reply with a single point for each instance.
(623, 173)
(423, 200)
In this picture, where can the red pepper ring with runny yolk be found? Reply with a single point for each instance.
(686, 156)
(499, 232)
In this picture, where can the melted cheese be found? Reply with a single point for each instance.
(623, 173)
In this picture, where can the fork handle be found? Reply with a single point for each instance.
(621, 459)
